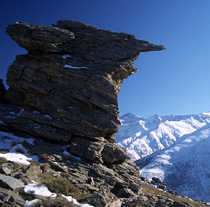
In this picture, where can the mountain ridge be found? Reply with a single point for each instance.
(155, 132)
(184, 164)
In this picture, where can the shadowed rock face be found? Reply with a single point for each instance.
(65, 89)
(70, 78)
(2, 90)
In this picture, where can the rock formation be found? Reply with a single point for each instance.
(65, 90)
(68, 82)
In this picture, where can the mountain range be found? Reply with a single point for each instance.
(172, 148)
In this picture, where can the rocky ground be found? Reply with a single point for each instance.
(98, 184)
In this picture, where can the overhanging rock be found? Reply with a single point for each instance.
(67, 83)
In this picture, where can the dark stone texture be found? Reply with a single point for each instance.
(2, 90)
(9, 198)
(98, 152)
(10, 182)
(72, 73)
(114, 154)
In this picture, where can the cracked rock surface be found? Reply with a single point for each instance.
(61, 108)
(71, 75)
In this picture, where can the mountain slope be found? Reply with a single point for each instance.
(142, 137)
(172, 148)
(184, 166)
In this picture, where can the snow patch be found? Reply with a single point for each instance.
(70, 199)
(48, 116)
(16, 157)
(68, 154)
(21, 111)
(17, 153)
(149, 173)
(74, 67)
(66, 56)
(41, 190)
(32, 202)
(10, 117)
(36, 112)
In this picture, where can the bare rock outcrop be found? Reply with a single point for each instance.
(100, 184)
(65, 90)
(67, 83)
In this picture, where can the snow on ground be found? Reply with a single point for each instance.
(70, 199)
(13, 143)
(74, 67)
(17, 153)
(67, 153)
(66, 56)
(32, 203)
(184, 166)
(48, 116)
(42, 190)
(16, 157)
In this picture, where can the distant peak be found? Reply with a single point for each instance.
(130, 116)
(154, 118)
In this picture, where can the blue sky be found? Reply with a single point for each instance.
(173, 81)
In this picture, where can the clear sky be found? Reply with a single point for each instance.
(173, 81)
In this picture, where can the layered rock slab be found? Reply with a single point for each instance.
(71, 75)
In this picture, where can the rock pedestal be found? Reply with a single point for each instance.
(65, 90)
(67, 84)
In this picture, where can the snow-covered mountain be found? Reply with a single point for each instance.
(142, 137)
(174, 148)
(184, 166)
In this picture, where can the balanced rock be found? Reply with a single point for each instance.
(67, 84)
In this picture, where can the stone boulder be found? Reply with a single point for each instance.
(10, 182)
(10, 198)
(97, 152)
(67, 83)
